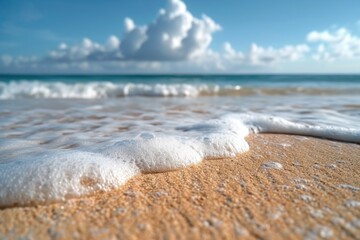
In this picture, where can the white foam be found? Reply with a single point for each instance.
(154, 154)
(271, 124)
(352, 203)
(20, 89)
(58, 175)
(46, 175)
(219, 137)
(90, 90)
(349, 187)
(272, 165)
(319, 232)
(306, 198)
(301, 186)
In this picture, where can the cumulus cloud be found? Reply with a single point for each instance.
(322, 54)
(230, 59)
(174, 35)
(87, 50)
(264, 56)
(177, 41)
(338, 44)
(231, 54)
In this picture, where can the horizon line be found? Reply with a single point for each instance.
(170, 74)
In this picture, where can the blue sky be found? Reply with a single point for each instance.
(235, 36)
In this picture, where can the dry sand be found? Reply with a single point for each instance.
(285, 187)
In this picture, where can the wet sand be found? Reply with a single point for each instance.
(285, 187)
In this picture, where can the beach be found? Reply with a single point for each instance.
(285, 186)
(179, 157)
(178, 119)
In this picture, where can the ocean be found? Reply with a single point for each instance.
(69, 136)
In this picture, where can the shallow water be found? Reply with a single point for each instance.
(67, 137)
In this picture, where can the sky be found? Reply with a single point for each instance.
(180, 36)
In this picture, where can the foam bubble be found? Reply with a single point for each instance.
(352, 203)
(272, 165)
(306, 198)
(349, 187)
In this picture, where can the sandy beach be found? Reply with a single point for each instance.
(285, 187)
(179, 119)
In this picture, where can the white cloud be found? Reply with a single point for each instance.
(87, 50)
(129, 25)
(257, 57)
(9, 62)
(322, 54)
(324, 36)
(338, 44)
(231, 54)
(62, 46)
(266, 56)
(174, 35)
(176, 41)
(113, 43)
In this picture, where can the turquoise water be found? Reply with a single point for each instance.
(215, 79)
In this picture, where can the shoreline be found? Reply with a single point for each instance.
(286, 186)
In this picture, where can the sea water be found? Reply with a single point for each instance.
(68, 136)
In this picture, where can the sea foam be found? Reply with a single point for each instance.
(94, 90)
(24, 89)
(44, 175)
(56, 176)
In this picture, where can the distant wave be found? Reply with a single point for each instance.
(93, 90)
